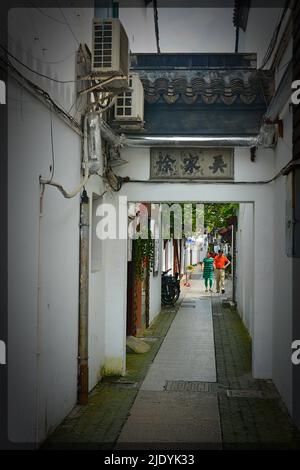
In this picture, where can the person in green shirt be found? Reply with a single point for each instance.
(208, 272)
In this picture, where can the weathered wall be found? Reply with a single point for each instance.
(261, 25)
(115, 298)
(96, 287)
(52, 319)
(245, 260)
(43, 251)
(155, 296)
(282, 275)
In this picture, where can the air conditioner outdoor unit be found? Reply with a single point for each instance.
(129, 108)
(110, 54)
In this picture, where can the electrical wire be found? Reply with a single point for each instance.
(262, 89)
(100, 196)
(53, 62)
(67, 23)
(40, 92)
(34, 71)
(103, 109)
(156, 25)
(49, 181)
(280, 173)
(66, 194)
(77, 102)
(199, 181)
(284, 65)
(86, 173)
(275, 36)
(237, 38)
(52, 146)
(112, 178)
(46, 14)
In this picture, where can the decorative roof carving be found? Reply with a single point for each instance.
(207, 87)
(196, 94)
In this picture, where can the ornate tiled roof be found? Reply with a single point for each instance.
(207, 87)
(203, 94)
(202, 78)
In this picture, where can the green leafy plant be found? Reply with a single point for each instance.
(143, 255)
(189, 267)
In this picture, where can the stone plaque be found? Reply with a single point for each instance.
(192, 163)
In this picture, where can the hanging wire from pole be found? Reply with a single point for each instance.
(275, 36)
(156, 25)
(69, 26)
(237, 39)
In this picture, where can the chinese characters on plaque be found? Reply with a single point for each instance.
(192, 163)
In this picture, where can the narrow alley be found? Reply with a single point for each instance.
(193, 390)
(151, 255)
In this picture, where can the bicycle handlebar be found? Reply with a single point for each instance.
(165, 272)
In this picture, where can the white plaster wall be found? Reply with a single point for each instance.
(196, 25)
(245, 265)
(260, 28)
(138, 166)
(256, 38)
(282, 275)
(43, 282)
(115, 298)
(139, 25)
(155, 296)
(96, 296)
(196, 255)
(203, 29)
(283, 309)
(58, 331)
(37, 40)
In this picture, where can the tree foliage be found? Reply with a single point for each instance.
(216, 215)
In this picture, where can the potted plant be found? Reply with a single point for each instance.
(189, 269)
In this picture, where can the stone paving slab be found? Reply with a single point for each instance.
(247, 423)
(187, 352)
(179, 417)
(172, 417)
(98, 424)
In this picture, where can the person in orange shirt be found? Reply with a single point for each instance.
(221, 263)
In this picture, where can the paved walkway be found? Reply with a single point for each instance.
(188, 351)
(169, 411)
(199, 392)
(192, 390)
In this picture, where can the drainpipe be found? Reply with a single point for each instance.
(237, 38)
(83, 371)
(233, 258)
(83, 383)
